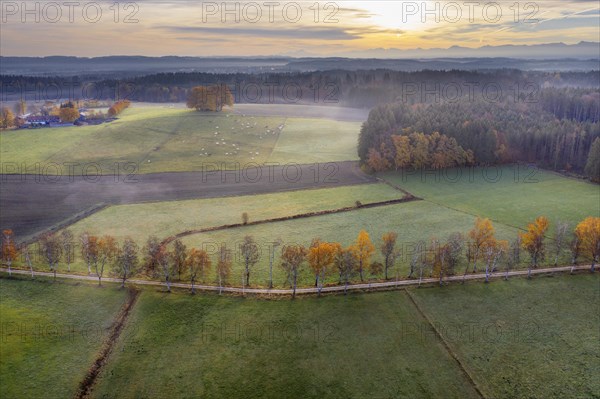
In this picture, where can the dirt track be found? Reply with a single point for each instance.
(30, 203)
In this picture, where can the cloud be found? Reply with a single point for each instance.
(314, 33)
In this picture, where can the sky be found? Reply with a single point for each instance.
(296, 28)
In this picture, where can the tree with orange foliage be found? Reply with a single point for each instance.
(588, 234)
(363, 249)
(320, 258)
(482, 235)
(376, 161)
(292, 257)
(9, 250)
(533, 241)
(68, 113)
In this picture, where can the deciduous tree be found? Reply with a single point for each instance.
(250, 255)
(126, 261)
(68, 246)
(107, 251)
(588, 233)
(9, 249)
(51, 250)
(481, 235)
(533, 241)
(560, 238)
(223, 268)
(198, 263)
(292, 258)
(363, 249)
(320, 258)
(388, 250)
(179, 255)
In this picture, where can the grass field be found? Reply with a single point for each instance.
(535, 338)
(512, 195)
(218, 347)
(164, 139)
(524, 338)
(50, 335)
(316, 140)
(167, 218)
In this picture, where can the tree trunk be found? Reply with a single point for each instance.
(271, 269)
(220, 284)
(9, 270)
(294, 291)
(123, 280)
(193, 290)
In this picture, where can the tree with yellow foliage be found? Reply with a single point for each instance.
(363, 249)
(533, 241)
(482, 235)
(320, 258)
(7, 118)
(588, 234)
(68, 113)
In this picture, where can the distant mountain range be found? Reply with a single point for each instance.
(581, 50)
(583, 56)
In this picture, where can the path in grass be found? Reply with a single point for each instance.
(50, 335)
(523, 338)
(334, 347)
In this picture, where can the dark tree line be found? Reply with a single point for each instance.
(362, 88)
(495, 132)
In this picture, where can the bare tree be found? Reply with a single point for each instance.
(126, 261)
(107, 251)
(198, 263)
(292, 258)
(223, 266)
(250, 254)
(52, 250)
(9, 249)
(152, 250)
(89, 249)
(575, 247)
(387, 250)
(560, 238)
(179, 256)
(274, 245)
(416, 257)
(347, 267)
(67, 242)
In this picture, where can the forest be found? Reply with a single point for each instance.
(557, 132)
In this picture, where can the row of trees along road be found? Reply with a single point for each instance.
(438, 258)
